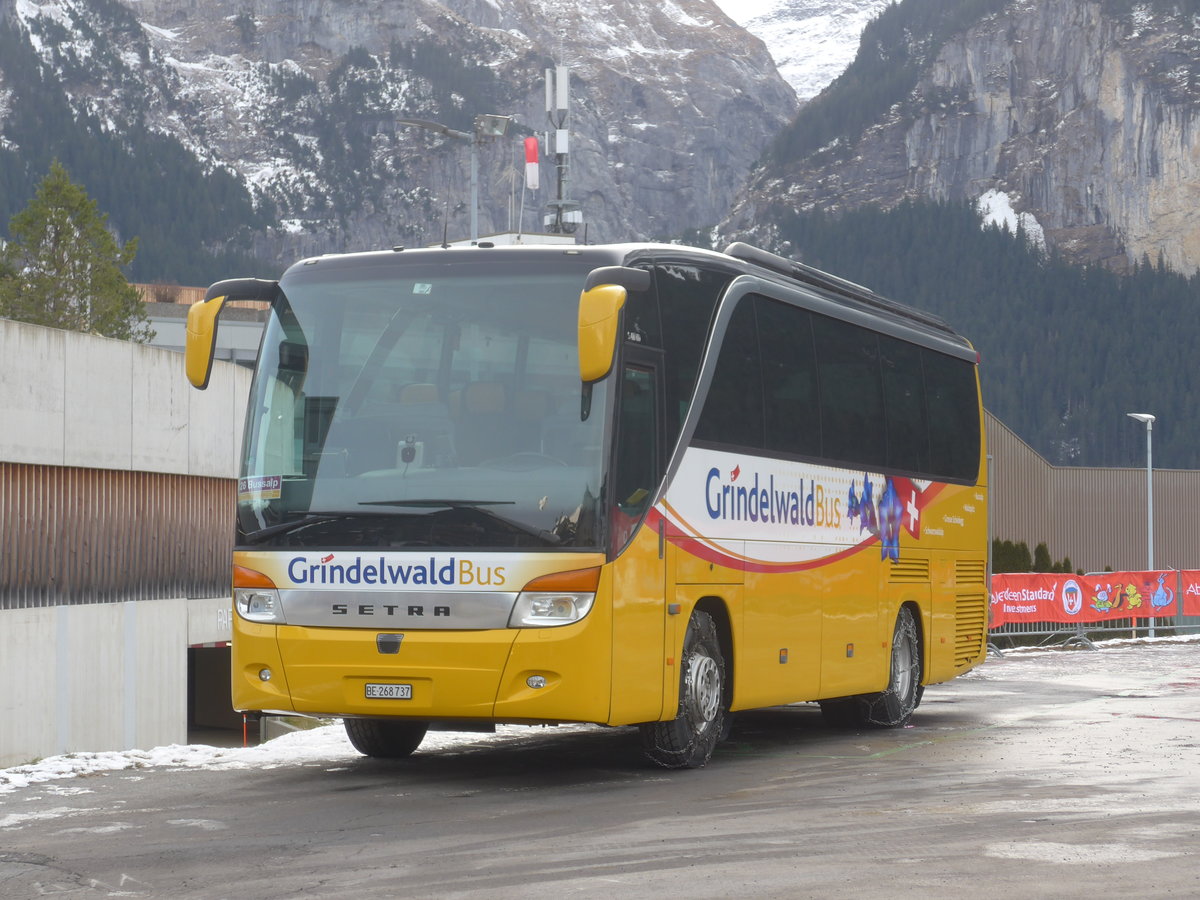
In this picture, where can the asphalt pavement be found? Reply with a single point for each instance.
(1068, 773)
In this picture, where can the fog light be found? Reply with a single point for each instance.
(264, 674)
(537, 682)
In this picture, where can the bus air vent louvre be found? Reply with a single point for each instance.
(909, 570)
(970, 628)
(970, 571)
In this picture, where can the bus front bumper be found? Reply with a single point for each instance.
(502, 675)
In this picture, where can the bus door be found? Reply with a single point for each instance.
(638, 597)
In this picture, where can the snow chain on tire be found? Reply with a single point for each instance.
(688, 740)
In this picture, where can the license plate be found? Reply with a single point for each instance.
(389, 692)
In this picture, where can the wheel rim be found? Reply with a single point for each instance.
(903, 657)
(703, 691)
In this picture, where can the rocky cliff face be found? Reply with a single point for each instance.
(672, 104)
(1088, 122)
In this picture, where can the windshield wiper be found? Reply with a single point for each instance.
(311, 518)
(476, 506)
(448, 504)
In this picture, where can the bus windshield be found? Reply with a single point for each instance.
(424, 405)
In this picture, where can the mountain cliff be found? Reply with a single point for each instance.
(1082, 111)
(297, 101)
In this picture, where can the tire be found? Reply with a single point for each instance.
(385, 738)
(894, 705)
(688, 740)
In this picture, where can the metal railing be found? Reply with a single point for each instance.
(1034, 609)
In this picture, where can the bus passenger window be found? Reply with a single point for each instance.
(852, 424)
(733, 410)
(637, 452)
(904, 404)
(789, 373)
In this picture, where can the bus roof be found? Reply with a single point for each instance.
(737, 258)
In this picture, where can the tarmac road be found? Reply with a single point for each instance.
(1062, 774)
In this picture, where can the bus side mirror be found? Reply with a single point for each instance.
(600, 305)
(599, 316)
(201, 346)
(201, 340)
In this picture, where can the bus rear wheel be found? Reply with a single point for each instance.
(688, 740)
(894, 705)
(385, 738)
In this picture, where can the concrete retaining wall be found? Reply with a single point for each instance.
(111, 675)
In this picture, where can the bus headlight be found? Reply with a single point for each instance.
(546, 609)
(259, 605)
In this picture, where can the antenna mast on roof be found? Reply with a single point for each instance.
(563, 216)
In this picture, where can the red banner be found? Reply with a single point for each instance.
(1037, 597)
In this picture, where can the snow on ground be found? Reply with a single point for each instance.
(329, 744)
(325, 744)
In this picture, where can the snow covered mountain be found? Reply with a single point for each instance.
(672, 103)
(1081, 112)
(812, 41)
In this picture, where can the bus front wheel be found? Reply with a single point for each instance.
(385, 738)
(688, 740)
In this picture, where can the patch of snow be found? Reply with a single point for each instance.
(318, 746)
(995, 207)
(161, 32)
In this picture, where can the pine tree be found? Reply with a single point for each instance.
(62, 267)
(1041, 558)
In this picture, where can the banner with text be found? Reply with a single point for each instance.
(1063, 598)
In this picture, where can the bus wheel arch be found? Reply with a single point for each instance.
(894, 705)
(687, 741)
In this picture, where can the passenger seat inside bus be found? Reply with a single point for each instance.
(424, 430)
(485, 422)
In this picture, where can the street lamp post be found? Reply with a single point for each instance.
(486, 126)
(1148, 419)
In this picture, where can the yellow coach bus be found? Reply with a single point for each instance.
(629, 484)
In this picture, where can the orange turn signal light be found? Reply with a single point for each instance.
(574, 580)
(249, 578)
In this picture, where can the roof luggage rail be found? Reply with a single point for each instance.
(842, 287)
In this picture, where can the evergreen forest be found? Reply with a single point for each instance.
(149, 185)
(1066, 351)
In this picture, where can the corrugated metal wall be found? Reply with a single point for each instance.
(72, 535)
(1095, 516)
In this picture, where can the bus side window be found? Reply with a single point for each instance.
(852, 424)
(687, 297)
(789, 373)
(637, 452)
(733, 410)
(904, 405)
(953, 404)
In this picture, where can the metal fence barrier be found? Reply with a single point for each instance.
(1045, 609)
